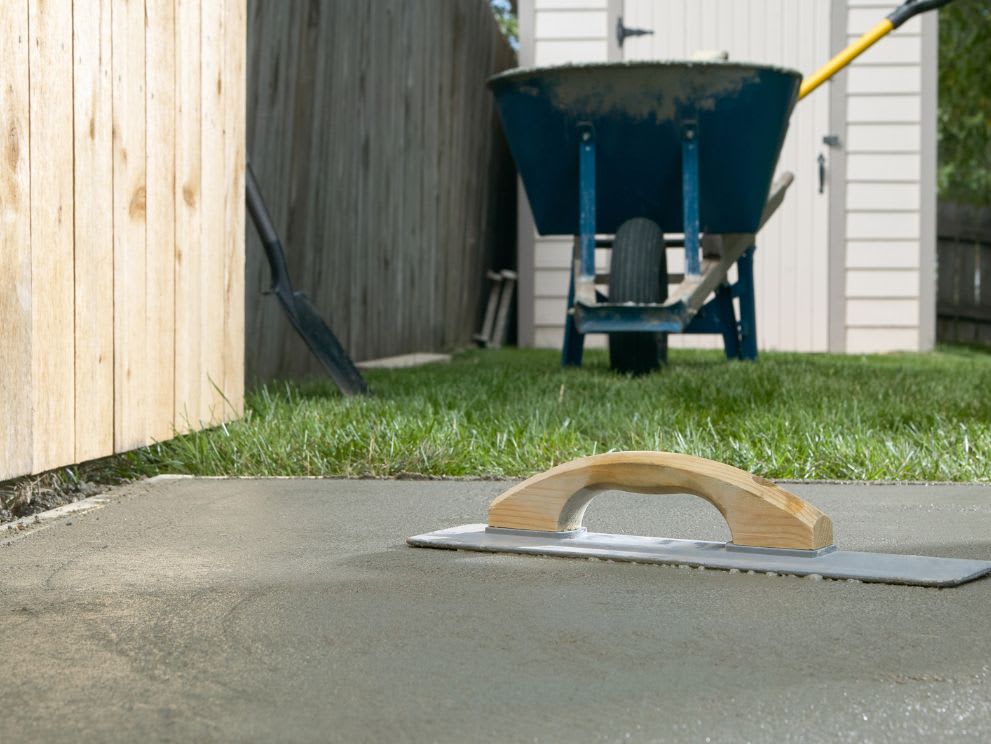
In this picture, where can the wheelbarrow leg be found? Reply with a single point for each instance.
(727, 321)
(582, 281)
(748, 309)
(574, 342)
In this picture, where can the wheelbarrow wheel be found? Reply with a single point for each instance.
(638, 273)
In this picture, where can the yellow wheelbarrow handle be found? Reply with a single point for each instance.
(895, 19)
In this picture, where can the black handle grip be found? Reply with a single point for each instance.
(911, 8)
(266, 231)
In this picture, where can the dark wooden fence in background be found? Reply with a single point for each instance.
(376, 145)
(963, 299)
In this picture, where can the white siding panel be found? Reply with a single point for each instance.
(577, 24)
(545, 337)
(894, 254)
(549, 310)
(881, 340)
(882, 313)
(882, 225)
(886, 283)
(883, 137)
(896, 48)
(884, 79)
(861, 19)
(892, 197)
(868, 108)
(895, 167)
(559, 52)
(551, 282)
(554, 253)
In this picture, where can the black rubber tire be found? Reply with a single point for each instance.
(638, 273)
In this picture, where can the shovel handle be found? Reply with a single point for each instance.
(895, 18)
(758, 512)
(266, 232)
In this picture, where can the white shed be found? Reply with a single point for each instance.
(846, 265)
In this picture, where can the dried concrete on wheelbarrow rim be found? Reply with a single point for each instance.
(292, 610)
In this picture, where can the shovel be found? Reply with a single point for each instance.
(303, 316)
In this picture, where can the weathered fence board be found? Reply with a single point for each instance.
(188, 270)
(963, 298)
(94, 231)
(52, 286)
(130, 249)
(235, 127)
(212, 227)
(120, 315)
(375, 142)
(160, 96)
(16, 380)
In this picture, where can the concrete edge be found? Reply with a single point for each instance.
(18, 528)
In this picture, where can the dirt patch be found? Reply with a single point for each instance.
(33, 494)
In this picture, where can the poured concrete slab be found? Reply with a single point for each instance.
(292, 610)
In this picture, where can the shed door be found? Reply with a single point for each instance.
(792, 262)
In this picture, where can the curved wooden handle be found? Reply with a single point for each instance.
(758, 512)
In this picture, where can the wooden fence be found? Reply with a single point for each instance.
(121, 224)
(963, 298)
(375, 142)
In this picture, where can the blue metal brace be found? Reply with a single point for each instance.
(690, 196)
(574, 342)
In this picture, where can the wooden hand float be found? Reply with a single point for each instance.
(758, 512)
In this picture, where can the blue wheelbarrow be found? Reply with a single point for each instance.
(640, 151)
(651, 149)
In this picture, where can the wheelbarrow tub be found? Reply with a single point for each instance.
(638, 112)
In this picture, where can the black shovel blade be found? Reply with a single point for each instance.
(322, 342)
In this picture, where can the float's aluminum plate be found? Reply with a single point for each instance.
(888, 568)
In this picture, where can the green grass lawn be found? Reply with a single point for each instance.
(515, 412)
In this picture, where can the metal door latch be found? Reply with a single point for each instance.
(822, 172)
(622, 32)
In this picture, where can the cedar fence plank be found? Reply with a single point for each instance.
(52, 270)
(94, 231)
(188, 199)
(235, 44)
(212, 212)
(16, 383)
(130, 205)
(161, 160)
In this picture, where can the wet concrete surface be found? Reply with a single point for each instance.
(292, 610)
